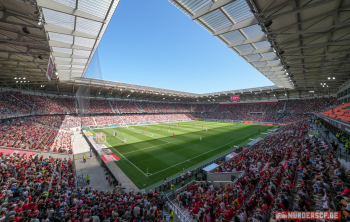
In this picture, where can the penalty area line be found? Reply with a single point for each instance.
(151, 136)
(144, 149)
(125, 158)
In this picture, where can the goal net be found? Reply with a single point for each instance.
(100, 138)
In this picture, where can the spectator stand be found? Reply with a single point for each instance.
(182, 213)
(341, 151)
(43, 153)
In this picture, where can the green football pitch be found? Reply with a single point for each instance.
(166, 155)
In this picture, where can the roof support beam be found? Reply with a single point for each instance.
(17, 61)
(6, 14)
(324, 62)
(24, 42)
(259, 38)
(21, 24)
(19, 68)
(24, 74)
(240, 25)
(67, 45)
(269, 65)
(278, 68)
(298, 32)
(213, 7)
(60, 54)
(61, 62)
(264, 50)
(24, 53)
(293, 57)
(49, 4)
(316, 45)
(275, 57)
(58, 29)
(294, 11)
(320, 73)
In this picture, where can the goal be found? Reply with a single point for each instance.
(100, 138)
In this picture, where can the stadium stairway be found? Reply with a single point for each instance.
(214, 110)
(27, 105)
(139, 107)
(184, 211)
(284, 106)
(143, 118)
(79, 144)
(111, 106)
(166, 215)
(76, 106)
(152, 107)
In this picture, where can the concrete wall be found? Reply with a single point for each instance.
(343, 164)
(344, 97)
(222, 176)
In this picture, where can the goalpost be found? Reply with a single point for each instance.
(100, 138)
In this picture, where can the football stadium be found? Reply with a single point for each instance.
(178, 110)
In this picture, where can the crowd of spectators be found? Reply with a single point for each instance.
(16, 103)
(31, 135)
(310, 105)
(265, 166)
(98, 106)
(108, 119)
(19, 103)
(57, 121)
(37, 189)
(9, 105)
(287, 119)
(285, 162)
(285, 111)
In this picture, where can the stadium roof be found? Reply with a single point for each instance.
(311, 40)
(30, 30)
(233, 23)
(294, 43)
(75, 29)
(120, 90)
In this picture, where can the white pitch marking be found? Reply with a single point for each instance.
(199, 155)
(124, 157)
(144, 149)
(152, 137)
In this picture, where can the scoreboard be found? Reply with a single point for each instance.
(235, 98)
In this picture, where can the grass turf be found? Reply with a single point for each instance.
(166, 155)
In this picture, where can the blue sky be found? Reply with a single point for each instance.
(153, 43)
